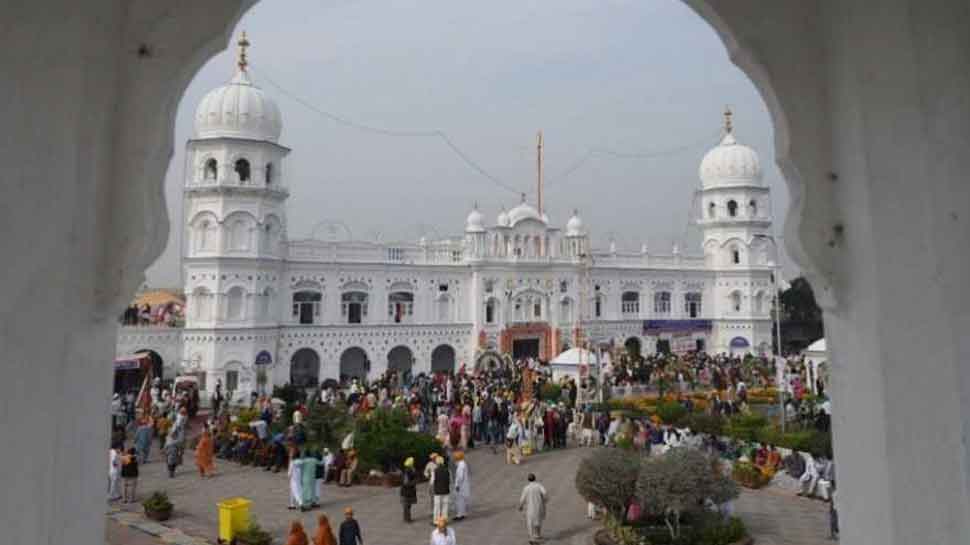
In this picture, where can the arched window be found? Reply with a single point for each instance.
(759, 302)
(306, 306)
(202, 300)
(491, 308)
(711, 210)
(537, 309)
(242, 170)
(266, 302)
(234, 304)
(661, 302)
(353, 306)
(204, 238)
(269, 173)
(732, 208)
(598, 307)
(565, 311)
(443, 305)
(736, 301)
(735, 256)
(211, 170)
(630, 303)
(753, 208)
(239, 235)
(692, 304)
(400, 306)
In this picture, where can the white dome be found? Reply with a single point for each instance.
(730, 164)
(474, 223)
(238, 109)
(524, 211)
(574, 227)
(503, 219)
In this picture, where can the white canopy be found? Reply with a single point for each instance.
(574, 356)
(817, 346)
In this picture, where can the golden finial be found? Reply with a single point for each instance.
(243, 43)
(727, 120)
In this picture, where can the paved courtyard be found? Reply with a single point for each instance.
(774, 517)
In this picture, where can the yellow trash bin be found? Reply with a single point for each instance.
(233, 517)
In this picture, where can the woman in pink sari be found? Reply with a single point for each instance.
(466, 426)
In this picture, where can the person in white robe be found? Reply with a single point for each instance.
(295, 473)
(442, 534)
(809, 478)
(463, 486)
(114, 474)
(533, 502)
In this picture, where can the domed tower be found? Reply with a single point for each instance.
(735, 216)
(576, 244)
(234, 206)
(475, 235)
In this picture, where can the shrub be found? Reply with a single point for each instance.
(745, 426)
(671, 412)
(254, 535)
(704, 423)
(816, 443)
(550, 392)
(383, 441)
(749, 475)
(608, 479)
(715, 530)
(679, 482)
(326, 426)
(158, 501)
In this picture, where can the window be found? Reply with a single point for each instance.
(711, 210)
(444, 308)
(400, 306)
(306, 306)
(692, 304)
(537, 310)
(353, 307)
(442, 288)
(232, 381)
(242, 170)
(395, 255)
(269, 173)
(630, 303)
(736, 256)
(239, 235)
(204, 236)
(661, 302)
(736, 301)
(563, 286)
(202, 300)
(490, 311)
(211, 170)
(234, 304)
(753, 208)
(759, 303)
(732, 208)
(565, 311)
(266, 303)
(598, 306)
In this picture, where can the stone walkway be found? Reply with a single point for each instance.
(774, 517)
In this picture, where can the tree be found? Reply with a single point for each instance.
(608, 478)
(801, 317)
(680, 482)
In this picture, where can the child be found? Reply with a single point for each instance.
(129, 475)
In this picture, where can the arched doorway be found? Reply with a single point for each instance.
(739, 346)
(443, 359)
(305, 368)
(633, 349)
(354, 364)
(400, 359)
(158, 365)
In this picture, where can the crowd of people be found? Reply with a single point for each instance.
(505, 407)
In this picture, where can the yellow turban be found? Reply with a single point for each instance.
(409, 462)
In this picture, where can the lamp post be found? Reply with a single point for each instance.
(779, 360)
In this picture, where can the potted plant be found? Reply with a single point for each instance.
(157, 506)
(253, 535)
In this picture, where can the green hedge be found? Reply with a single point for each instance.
(550, 392)
(383, 441)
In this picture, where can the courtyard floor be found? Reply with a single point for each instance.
(774, 517)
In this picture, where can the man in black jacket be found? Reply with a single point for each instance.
(349, 533)
(442, 489)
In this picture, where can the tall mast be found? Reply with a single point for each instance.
(539, 171)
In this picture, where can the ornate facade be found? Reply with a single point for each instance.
(263, 309)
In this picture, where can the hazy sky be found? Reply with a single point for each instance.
(627, 76)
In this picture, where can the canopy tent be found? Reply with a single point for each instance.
(155, 298)
(568, 362)
(816, 356)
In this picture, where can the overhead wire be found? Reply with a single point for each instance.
(428, 133)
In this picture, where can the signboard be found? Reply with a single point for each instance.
(740, 342)
(264, 358)
(654, 327)
(682, 343)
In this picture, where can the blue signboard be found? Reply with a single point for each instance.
(740, 342)
(653, 327)
(264, 358)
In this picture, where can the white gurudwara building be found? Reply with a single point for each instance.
(263, 309)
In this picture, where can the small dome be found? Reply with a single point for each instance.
(475, 221)
(238, 109)
(503, 218)
(524, 211)
(574, 227)
(730, 163)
